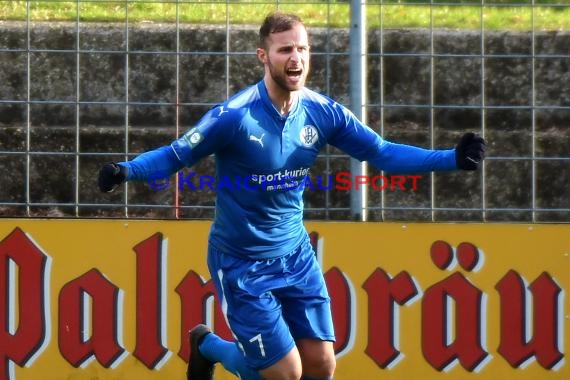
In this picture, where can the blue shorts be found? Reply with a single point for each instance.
(271, 303)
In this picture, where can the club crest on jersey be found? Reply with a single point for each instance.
(193, 137)
(309, 135)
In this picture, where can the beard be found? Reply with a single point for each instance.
(280, 78)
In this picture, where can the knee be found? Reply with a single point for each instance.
(291, 373)
(320, 365)
(288, 368)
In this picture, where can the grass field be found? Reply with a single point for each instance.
(456, 14)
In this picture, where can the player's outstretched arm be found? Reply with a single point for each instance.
(402, 158)
(470, 151)
(163, 160)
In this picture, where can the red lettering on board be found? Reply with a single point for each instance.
(150, 310)
(342, 307)
(197, 297)
(516, 347)
(24, 268)
(88, 320)
(446, 338)
(383, 294)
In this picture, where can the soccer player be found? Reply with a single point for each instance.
(265, 138)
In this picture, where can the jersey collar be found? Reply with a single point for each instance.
(271, 107)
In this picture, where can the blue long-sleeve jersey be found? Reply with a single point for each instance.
(260, 155)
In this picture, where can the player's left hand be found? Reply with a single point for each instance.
(470, 151)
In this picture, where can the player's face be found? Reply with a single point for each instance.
(286, 58)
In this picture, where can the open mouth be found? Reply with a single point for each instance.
(294, 72)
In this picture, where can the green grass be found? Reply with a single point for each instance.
(549, 15)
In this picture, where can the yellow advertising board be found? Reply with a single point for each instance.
(114, 299)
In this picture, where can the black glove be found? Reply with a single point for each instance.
(111, 176)
(470, 151)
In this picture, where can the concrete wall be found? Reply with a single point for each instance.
(509, 81)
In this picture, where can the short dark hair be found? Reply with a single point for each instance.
(277, 22)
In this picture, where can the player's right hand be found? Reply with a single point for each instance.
(111, 176)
